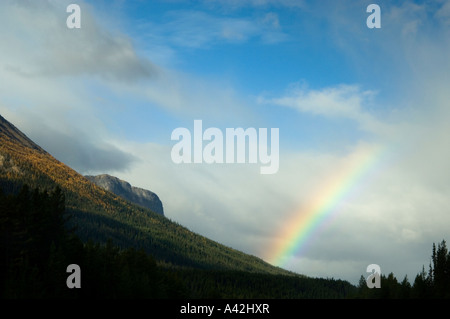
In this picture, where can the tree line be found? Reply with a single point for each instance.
(36, 247)
(37, 244)
(426, 285)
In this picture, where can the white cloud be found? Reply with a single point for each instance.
(341, 101)
(47, 70)
(39, 43)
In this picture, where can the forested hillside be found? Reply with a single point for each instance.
(36, 248)
(99, 215)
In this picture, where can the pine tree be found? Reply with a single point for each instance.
(441, 274)
(405, 288)
(421, 286)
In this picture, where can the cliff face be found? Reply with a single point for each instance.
(136, 195)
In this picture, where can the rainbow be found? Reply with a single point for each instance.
(323, 205)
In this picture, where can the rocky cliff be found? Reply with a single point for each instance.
(136, 195)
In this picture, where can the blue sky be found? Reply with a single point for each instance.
(253, 50)
(105, 99)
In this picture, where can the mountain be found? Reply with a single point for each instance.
(101, 216)
(136, 195)
(10, 132)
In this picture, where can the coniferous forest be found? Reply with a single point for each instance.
(36, 246)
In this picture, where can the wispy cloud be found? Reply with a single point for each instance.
(236, 4)
(199, 29)
(339, 102)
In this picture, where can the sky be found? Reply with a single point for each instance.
(362, 115)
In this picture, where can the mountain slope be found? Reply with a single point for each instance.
(136, 195)
(11, 133)
(100, 215)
